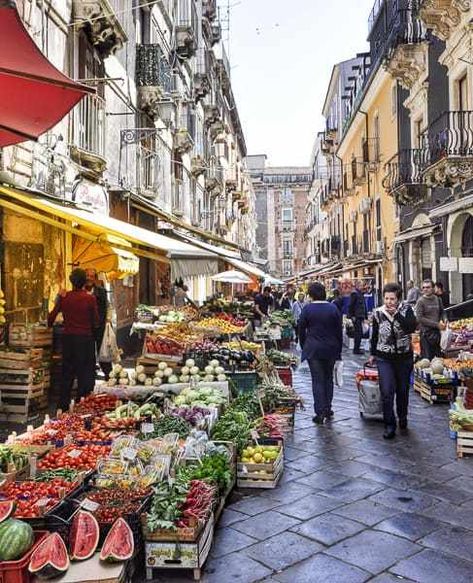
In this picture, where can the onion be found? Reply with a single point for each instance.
(162, 366)
(190, 362)
(140, 369)
(194, 371)
(185, 370)
(168, 372)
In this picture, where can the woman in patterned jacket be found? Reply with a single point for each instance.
(393, 324)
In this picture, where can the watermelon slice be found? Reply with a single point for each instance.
(7, 508)
(84, 536)
(50, 558)
(118, 544)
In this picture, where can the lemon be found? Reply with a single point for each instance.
(258, 458)
(250, 451)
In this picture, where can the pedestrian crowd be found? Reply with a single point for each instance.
(319, 330)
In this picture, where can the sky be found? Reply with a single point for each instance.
(282, 53)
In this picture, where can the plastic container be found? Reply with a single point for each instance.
(17, 571)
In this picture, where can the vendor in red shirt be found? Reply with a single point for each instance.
(79, 309)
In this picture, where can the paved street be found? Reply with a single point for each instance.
(352, 507)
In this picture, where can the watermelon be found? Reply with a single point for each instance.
(118, 544)
(50, 558)
(16, 537)
(7, 508)
(84, 536)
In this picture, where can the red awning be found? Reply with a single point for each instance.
(34, 95)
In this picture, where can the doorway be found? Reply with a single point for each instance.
(467, 251)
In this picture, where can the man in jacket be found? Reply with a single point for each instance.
(357, 313)
(100, 293)
(413, 293)
(429, 312)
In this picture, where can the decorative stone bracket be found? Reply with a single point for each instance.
(98, 19)
(407, 64)
(449, 172)
(443, 16)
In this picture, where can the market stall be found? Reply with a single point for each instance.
(145, 464)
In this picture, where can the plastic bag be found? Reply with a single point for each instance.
(109, 351)
(370, 399)
(338, 374)
(365, 330)
(445, 339)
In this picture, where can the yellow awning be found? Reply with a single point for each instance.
(108, 255)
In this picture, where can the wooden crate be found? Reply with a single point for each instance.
(248, 476)
(434, 393)
(173, 554)
(26, 336)
(464, 443)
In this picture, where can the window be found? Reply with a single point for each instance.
(463, 94)
(378, 220)
(287, 267)
(287, 215)
(418, 132)
(287, 248)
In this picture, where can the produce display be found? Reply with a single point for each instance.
(279, 358)
(163, 462)
(74, 457)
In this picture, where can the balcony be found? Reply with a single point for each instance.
(449, 155)
(186, 29)
(405, 56)
(442, 16)
(197, 165)
(202, 77)
(328, 143)
(216, 33)
(230, 185)
(153, 77)
(87, 134)
(358, 172)
(224, 68)
(209, 9)
(403, 178)
(99, 21)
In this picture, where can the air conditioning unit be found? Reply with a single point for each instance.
(380, 247)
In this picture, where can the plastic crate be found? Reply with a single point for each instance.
(17, 571)
(243, 381)
(285, 374)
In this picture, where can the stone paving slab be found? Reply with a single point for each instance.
(352, 507)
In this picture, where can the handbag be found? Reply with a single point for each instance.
(338, 374)
(109, 351)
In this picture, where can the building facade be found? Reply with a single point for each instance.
(159, 145)
(282, 194)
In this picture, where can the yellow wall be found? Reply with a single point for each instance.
(377, 103)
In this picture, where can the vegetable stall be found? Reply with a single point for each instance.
(134, 477)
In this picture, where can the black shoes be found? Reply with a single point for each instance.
(318, 419)
(389, 433)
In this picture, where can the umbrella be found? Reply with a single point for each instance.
(270, 280)
(232, 276)
(34, 95)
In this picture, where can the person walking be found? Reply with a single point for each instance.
(297, 308)
(337, 300)
(93, 286)
(263, 303)
(81, 318)
(413, 293)
(320, 336)
(393, 324)
(357, 314)
(429, 312)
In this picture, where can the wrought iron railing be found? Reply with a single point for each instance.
(187, 14)
(152, 68)
(88, 125)
(451, 134)
(404, 168)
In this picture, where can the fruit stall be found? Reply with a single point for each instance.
(133, 479)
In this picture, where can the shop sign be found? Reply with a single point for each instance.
(448, 263)
(465, 264)
(91, 195)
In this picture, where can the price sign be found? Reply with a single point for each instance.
(129, 453)
(254, 434)
(89, 505)
(244, 469)
(75, 453)
(147, 428)
(42, 502)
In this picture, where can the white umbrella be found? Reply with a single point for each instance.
(232, 276)
(270, 280)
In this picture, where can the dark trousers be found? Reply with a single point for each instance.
(322, 384)
(394, 381)
(429, 349)
(105, 366)
(78, 362)
(358, 333)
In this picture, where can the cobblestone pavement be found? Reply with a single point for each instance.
(352, 507)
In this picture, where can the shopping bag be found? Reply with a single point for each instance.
(366, 330)
(370, 400)
(446, 339)
(338, 374)
(109, 351)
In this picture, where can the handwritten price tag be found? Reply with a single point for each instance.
(129, 453)
(42, 502)
(89, 505)
(147, 428)
(75, 453)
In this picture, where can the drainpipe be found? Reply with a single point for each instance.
(342, 235)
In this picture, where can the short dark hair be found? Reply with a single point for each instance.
(78, 278)
(317, 292)
(439, 284)
(393, 288)
(429, 281)
(267, 288)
